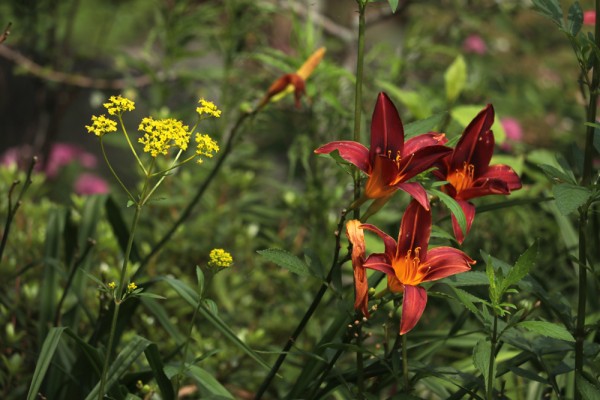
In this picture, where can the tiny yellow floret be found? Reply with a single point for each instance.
(219, 258)
(101, 125)
(131, 287)
(208, 107)
(206, 147)
(161, 135)
(112, 285)
(117, 104)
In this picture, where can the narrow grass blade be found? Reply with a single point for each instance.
(43, 362)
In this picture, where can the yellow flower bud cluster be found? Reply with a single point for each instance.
(219, 258)
(101, 125)
(206, 147)
(208, 107)
(160, 135)
(117, 104)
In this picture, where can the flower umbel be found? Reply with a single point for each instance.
(117, 104)
(468, 170)
(101, 125)
(208, 107)
(161, 135)
(131, 287)
(219, 258)
(408, 263)
(206, 147)
(112, 285)
(390, 162)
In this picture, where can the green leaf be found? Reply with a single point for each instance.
(469, 278)
(208, 385)
(286, 260)
(548, 329)
(453, 207)
(575, 19)
(192, 298)
(416, 104)
(130, 353)
(521, 267)
(551, 9)
(156, 364)
(455, 78)
(587, 390)
(423, 125)
(481, 359)
(393, 5)
(48, 348)
(465, 114)
(200, 279)
(491, 275)
(570, 197)
(556, 175)
(468, 300)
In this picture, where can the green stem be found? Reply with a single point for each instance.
(494, 339)
(405, 365)
(362, 4)
(583, 213)
(360, 374)
(118, 300)
(113, 171)
(311, 309)
(131, 146)
(186, 346)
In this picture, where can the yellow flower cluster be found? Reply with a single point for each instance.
(208, 107)
(112, 285)
(117, 104)
(131, 287)
(101, 125)
(161, 135)
(206, 147)
(219, 258)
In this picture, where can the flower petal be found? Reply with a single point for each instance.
(421, 160)
(415, 229)
(361, 286)
(476, 144)
(311, 63)
(469, 211)
(379, 262)
(445, 261)
(353, 152)
(387, 133)
(388, 242)
(427, 139)
(484, 187)
(416, 191)
(413, 305)
(503, 173)
(380, 180)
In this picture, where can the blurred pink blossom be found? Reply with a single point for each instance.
(474, 44)
(513, 130)
(90, 184)
(589, 18)
(62, 154)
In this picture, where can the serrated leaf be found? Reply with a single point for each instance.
(491, 275)
(481, 358)
(465, 114)
(467, 300)
(557, 176)
(286, 260)
(547, 329)
(521, 267)
(551, 9)
(570, 197)
(454, 208)
(575, 19)
(455, 78)
(587, 390)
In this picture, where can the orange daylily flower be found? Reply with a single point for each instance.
(408, 262)
(293, 82)
(356, 236)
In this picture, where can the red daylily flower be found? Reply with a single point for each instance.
(356, 236)
(468, 170)
(408, 263)
(391, 162)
